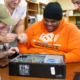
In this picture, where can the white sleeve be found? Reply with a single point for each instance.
(25, 9)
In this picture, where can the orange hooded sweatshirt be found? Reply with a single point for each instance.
(64, 40)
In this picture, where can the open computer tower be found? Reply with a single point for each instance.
(38, 65)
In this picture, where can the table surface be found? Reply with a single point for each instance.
(71, 69)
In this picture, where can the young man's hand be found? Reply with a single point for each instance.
(12, 51)
(23, 38)
(10, 37)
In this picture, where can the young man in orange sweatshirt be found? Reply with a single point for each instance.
(53, 35)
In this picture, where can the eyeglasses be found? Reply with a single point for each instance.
(3, 30)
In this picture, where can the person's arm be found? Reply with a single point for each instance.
(23, 48)
(9, 52)
(20, 27)
(29, 33)
(2, 38)
(73, 53)
(20, 31)
(3, 54)
(22, 38)
(9, 37)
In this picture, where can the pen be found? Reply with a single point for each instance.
(4, 65)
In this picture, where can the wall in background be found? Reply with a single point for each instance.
(45, 1)
(66, 4)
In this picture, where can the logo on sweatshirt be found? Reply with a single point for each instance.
(48, 37)
(47, 40)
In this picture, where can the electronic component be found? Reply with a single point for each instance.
(4, 65)
(38, 65)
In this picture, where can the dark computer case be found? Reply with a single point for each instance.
(38, 65)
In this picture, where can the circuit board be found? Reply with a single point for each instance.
(39, 58)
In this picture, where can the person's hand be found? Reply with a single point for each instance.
(10, 37)
(23, 38)
(12, 51)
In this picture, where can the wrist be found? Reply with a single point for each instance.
(6, 53)
(2, 38)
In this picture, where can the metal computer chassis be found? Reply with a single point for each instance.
(38, 65)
